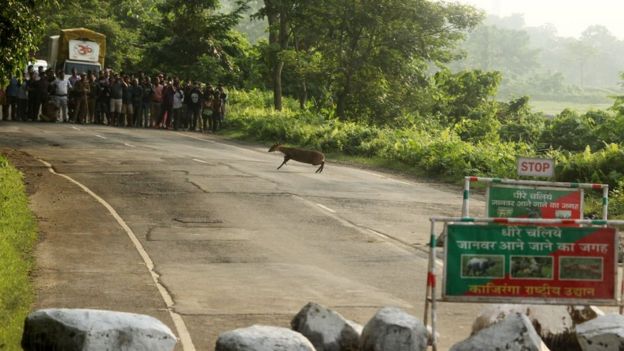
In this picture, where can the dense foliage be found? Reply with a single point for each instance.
(20, 32)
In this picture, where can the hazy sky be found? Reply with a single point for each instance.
(570, 17)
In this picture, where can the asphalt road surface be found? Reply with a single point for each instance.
(230, 240)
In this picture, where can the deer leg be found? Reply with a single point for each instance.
(286, 158)
(320, 169)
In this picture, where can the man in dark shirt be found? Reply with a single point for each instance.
(116, 95)
(166, 112)
(137, 101)
(127, 107)
(194, 103)
(103, 99)
(32, 85)
(148, 95)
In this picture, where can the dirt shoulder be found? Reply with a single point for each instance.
(83, 258)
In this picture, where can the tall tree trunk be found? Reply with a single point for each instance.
(303, 94)
(277, 84)
(274, 42)
(341, 104)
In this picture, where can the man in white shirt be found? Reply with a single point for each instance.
(61, 87)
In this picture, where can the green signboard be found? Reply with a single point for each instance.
(534, 202)
(537, 263)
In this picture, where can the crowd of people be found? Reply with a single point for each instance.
(110, 98)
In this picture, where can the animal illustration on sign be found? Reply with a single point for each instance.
(478, 266)
(314, 158)
(529, 267)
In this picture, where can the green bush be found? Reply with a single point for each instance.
(17, 238)
(568, 131)
(603, 166)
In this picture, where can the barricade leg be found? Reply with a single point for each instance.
(430, 298)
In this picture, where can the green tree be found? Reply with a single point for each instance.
(188, 32)
(518, 123)
(464, 95)
(569, 131)
(378, 53)
(121, 21)
(20, 34)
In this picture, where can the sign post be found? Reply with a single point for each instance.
(537, 186)
(532, 202)
(524, 264)
(536, 167)
(525, 260)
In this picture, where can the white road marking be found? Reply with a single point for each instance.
(129, 145)
(184, 335)
(385, 177)
(200, 161)
(326, 208)
(76, 128)
(372, 173)
(402, 244)
(99, 136)
(211, 141)
(194, 137)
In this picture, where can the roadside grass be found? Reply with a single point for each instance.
(18, 234)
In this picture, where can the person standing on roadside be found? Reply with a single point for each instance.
(186, 121)
(216, 118)
(60, 89)
(194, 104)
(208, 95)
(224, 97)
(157, 88)
(82, 90)
(22, 100)
(148, 94)
(4, 102)
(33, 97)
(127, 108)
(103, 100)
(93, 93)
(12, 92)
(178, 106)
(166, 110)
(116, 100)
(73, 95)
(137, 102)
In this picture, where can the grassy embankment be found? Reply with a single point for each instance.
(18, 233)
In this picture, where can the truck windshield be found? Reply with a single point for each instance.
(81, 67)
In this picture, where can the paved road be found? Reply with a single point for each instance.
(233, 241)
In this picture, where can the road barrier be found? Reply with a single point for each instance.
(533, 246)
(535, 185)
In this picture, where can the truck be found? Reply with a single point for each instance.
(79, 48)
